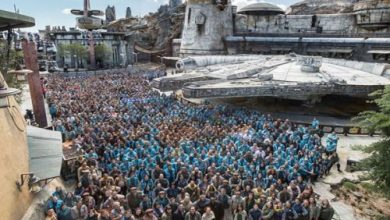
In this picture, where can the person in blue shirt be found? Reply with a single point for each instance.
(155, 143)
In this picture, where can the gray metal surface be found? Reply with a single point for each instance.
(45, 152)
(13, 20)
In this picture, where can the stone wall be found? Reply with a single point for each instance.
(287, 24)
(176, 47)
(205, 26)
(360, 49)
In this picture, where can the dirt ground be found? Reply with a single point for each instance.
(367, 203)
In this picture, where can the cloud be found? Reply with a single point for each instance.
(66, 11)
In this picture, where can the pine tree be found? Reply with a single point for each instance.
(378, 163)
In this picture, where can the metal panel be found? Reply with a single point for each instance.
(14, 20)
(379, 51)
(45, 152)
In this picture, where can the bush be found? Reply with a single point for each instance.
(350, 186)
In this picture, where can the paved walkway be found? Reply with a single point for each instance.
(345, 151)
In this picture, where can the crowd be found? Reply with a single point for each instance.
(148, 156)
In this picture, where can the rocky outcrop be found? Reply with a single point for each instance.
(308, 7)
(155, 31)
(164, 26)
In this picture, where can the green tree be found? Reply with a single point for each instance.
(378, 163)
(15, 59)
(61, 52)
(102, 54)
(79, 51)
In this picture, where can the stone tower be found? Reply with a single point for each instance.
(110, 14)
(206, 24)
(128, 12)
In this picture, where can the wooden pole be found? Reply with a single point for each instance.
(34, 82)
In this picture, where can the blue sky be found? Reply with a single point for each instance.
(56, 12)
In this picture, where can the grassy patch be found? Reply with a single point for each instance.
(350, 186)
(358, 147)
(382, 218)
(369, 187)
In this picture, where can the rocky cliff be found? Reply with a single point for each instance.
(162, 27)
(308, 7)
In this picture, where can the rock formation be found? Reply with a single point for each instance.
(110, 14)
(128, 12)
(309, 7)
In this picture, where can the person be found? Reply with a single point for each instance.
(64, 213)
(104, 215)
(150, 151)
(179, 214)
(202, 203)
(237, 201)
(167, 215)
(208, 214)
(128, 215)
(268, 211)
(138, 215)
(193, 214)
(314, 209)
(217, 208)
(51, 215)
(255, 213)
(54, 203)
(326, 211)
(315, 124)
(300, 209)
(331, 143)
(240, 213)
(93, 215)
(53, 111)
(249, 201)
(289, 212)
(149, 215)
(117, 212)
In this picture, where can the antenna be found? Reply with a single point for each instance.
(16, 10)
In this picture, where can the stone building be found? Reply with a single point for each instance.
(206, 24)
(120, 49)
(357, 30)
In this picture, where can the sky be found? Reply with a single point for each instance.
(57, 12)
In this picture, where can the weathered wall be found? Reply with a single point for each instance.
(321, 7)
(115, 42)
(345, 48)
(205, 26)
(288, 24)
(328, 17)
(176, 47)
(13, 162)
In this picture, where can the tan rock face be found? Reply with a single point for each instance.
(371, 4)
(308, 7)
